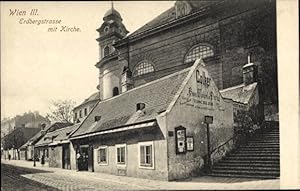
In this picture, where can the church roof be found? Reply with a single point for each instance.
(169, 16)
(121, 110)
(240, 93)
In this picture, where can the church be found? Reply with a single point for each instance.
(169, 92)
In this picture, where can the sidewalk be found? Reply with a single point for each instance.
(95, 179)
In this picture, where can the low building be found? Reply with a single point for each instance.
(41, 146)
(157, 130)
(15, 139)
(59, 149)
(82, 110)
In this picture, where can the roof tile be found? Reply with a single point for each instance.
(121, 110)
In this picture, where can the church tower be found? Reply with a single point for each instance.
(110, 71)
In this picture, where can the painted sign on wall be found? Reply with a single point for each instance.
(201, 92)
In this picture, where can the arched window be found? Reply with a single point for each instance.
(115, 91)
(106, 51)
(142, 68)
(198, 51)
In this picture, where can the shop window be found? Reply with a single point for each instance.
(146, 155)
(121, 154)
(106, 51)
(198, 51)
(143, 68)
(103, 155)
(85, 111)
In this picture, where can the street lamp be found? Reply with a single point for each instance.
(34, 157)
(208, 120)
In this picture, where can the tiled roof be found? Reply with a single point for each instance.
(53, 126)
(165, 17)
(57, 135)
(240, 93)
(170, 15)
(121, 110)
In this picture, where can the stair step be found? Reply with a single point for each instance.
(247, 172)
(253, 158)
(234, 164)
(269, 139)
(254, 155)
(247, 162)
(258, 149)
(242, 176)
(259, 158)
(255, 168)
(261, 146)
(264, 143)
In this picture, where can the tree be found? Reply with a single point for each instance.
(247, 122)
(61, 110)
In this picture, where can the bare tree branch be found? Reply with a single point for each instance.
(61, 110)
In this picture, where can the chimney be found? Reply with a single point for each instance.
(140, 106)
(249, 73)
(126, 80)
(97, 118)
(42, 126)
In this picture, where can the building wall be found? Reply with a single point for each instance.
(29, 152)
(110, 77)
(189, 111)
(23, 155)
(73, 156)
(131, 139)
(89, 106)
(55, 156)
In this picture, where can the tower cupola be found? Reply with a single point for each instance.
(110, 71)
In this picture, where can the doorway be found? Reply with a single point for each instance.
(66, 157)
(84, 158)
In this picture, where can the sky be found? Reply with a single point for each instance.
(38, 66)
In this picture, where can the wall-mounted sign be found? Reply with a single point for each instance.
(180, 139)
(190, 143)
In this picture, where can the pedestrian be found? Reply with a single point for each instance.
(78, 156)
(43, 160)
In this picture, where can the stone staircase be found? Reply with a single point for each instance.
(259, 158)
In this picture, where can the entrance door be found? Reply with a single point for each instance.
(66, 157)
(83, 160)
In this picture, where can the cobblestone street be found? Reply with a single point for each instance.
(72, 180)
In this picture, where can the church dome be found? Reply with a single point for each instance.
(112, 12)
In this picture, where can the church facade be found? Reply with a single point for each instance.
(169, 91)
(224, 33)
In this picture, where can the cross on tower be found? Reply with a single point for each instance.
(249, 59)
